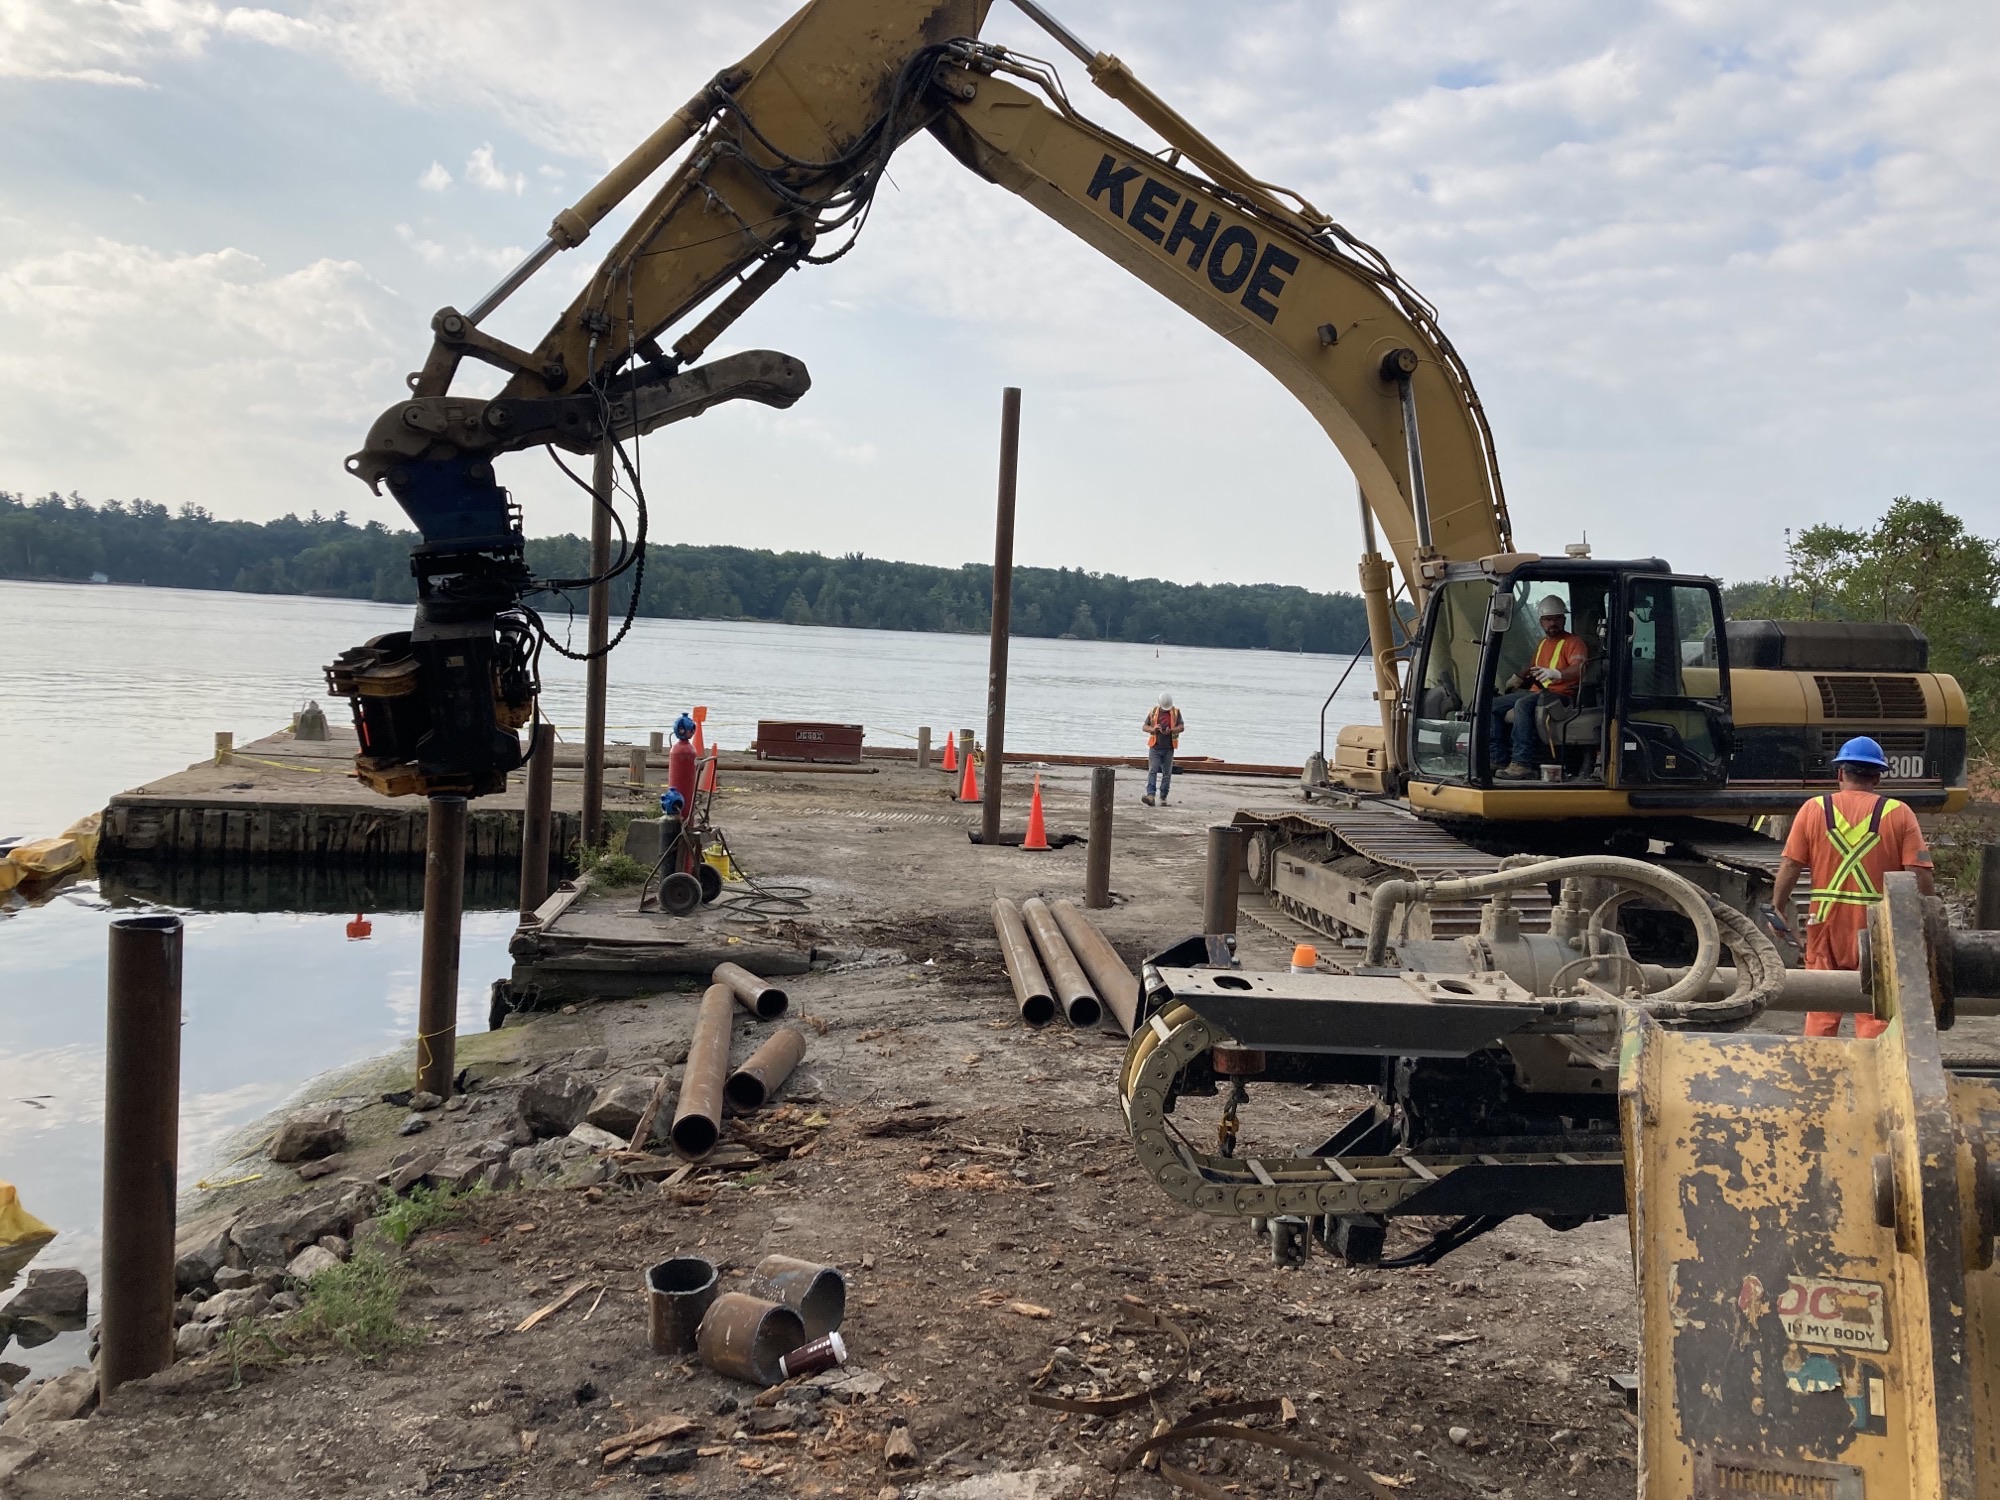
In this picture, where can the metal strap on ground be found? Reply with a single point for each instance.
(1422, 850)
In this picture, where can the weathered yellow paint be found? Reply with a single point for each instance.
(1751, 1174)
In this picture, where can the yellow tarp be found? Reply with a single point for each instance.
(41, 859)
(21, 1234)
(84, 831)
(10, 876)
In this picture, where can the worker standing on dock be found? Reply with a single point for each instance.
(1849, 841)
(1164, 727)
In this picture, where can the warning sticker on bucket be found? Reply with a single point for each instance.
(1838, 1314)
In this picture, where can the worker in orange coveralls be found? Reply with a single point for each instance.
(1849, 840)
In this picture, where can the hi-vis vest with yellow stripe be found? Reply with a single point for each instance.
(1852, 843)
(1554, 652)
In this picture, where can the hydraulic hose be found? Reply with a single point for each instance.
(1690, 989)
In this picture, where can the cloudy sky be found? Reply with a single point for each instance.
(1717, 268)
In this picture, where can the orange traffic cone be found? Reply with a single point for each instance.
(1038, 833)
(708, 772)
(950, 761)
(968, 787)
(700, 717)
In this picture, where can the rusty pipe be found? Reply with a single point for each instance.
(1031, 986)
(698, 1112)
(764, 1001)
(745, 1337)
(1115, 984)
(142, 1083)
(817, 1293)
(764, 1073)
(1071, 988)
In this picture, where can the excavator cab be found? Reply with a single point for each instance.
(1651, 708)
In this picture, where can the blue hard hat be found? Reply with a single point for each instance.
(672, 802)
(684, 727)
(1862, 751)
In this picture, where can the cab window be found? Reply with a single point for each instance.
(1674, 679)
(1441, 727)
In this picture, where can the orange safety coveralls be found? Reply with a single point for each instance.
(1848, 841)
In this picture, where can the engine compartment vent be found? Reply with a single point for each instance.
(1859, 697)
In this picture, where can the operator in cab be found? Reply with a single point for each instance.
(1849, 841)
(1556, 670)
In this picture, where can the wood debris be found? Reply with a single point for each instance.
(659, 1431)
(973, 1177)
(549, 1310)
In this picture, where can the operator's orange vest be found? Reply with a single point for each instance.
(1555, 651)
(1169, 724)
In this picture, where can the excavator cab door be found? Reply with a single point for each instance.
(1671, 684)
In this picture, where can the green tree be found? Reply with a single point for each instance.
(1918, 565)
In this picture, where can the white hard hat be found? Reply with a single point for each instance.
(1166, 700)
(1551, 605)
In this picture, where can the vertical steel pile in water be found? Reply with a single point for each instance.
(437, 980)
(142, 1081)
(1079, 1000)
(1031, 985)
(764, 1073)
(1116, 985)
(698, 1113)
(536, 818)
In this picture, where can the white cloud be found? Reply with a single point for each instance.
(481, 171)
(210, 378)
(435, 178)
(483, 257)
(97, 41)
(1733, 265)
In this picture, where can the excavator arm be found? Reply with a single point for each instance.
(780, 157)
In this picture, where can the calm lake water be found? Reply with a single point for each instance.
(104, 688)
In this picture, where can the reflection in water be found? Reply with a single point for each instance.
(297, 887)
(110, 686)
(269, 1000)
(131, 683)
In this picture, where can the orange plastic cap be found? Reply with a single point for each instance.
(1305, 956)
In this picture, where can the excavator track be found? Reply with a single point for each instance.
(1400, 844)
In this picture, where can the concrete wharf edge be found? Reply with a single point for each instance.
(281, 800)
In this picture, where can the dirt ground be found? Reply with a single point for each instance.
(973, 1180)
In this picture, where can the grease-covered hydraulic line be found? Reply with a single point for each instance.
(1689, 898)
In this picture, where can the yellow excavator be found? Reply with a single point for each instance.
(1526, 1057)
(1683, 728)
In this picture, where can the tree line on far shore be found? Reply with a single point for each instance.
(139, 542)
